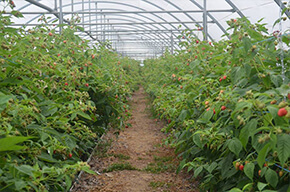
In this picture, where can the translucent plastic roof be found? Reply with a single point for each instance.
(145, 28)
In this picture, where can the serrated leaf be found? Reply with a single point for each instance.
(283, 148)
(235, 190)
(261, 186)
(26, 169)
(247, 44)
(235, 146)
(262, 155)
(182, 115)
(211, 167)
(9, 143)
(247, 131)
(198, 171)
(249, 170)
(271, 177)
(196, 140)
(84, 115)
(88, 170)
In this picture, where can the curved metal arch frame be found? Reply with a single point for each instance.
(115, 3)
(133, 22)
(219, 25)
(153, 4)
(164, 43)
(125, 4)
(152, 34)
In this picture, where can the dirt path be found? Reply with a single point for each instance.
(136, 160)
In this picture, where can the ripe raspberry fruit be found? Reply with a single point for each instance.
(282, 112)
(241, 167)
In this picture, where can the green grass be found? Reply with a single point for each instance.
(159, 167)
(102, 148)
(119, 167)
(161, 164)
(120, 156)
(157, 184)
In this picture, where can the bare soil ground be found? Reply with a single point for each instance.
(136, 160)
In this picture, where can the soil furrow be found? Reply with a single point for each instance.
(136, 160)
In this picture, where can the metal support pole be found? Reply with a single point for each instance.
(97, 19)
(104, 28)
(101, 26)
(55, 5)
(60, 15)
(90, 19)
(171, 37)
(204, 21)
(83, 17)
(72, 5)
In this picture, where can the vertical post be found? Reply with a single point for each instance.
(108, 28)
(111, 33)
(104, 28)
(60, 15)
(83, 16)
(90, 19)
(97, 20)
(171, 39)
(204, 21)
(72, 5)
(55, 5)
(101, 26)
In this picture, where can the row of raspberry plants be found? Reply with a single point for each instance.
(58, 95)
(227, 107)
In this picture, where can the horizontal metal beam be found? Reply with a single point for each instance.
(140, 40)
(143, 30)
(114, 24)
(125, 12)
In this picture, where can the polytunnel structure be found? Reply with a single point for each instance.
(144, 29)
(145, 95)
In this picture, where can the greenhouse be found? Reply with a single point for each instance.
(145, 95)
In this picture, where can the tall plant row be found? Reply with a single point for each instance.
(227, 107)
(58, 95)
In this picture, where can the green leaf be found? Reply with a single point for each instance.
(45, 157)
(248, 187)
(211, 167)
(182, 115)
(243, 105)
(276, 80)
(247, 44)
(19, 184)
(206, 117)
(262, 155)
(196, 140)
(248, 131)
(261, 186)
(198, 171)
(84, 115)
(249, 170)
(283, 148)
(235, 146)
(26, 169)
(9, 143)
(88, 170)
(271, 177)
(235, 190)
(5, 98)
(68, 182)
(48, 110)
